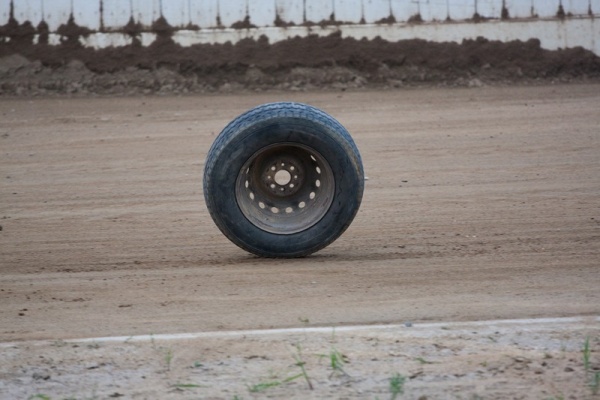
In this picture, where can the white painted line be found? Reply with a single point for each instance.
(413, 329)
(416, 329)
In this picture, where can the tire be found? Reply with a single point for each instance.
(283, 180)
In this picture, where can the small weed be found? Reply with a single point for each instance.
(586, 354)
(59, 343)
(198, 364)
(186, 386)
(93, 345)
(168, 358)
(595, 384)
(593, 377)
(304, 320)
(301, 364)
(259, 387)
(397, 385)
(421, 360)
(39, 396)
(336, 361)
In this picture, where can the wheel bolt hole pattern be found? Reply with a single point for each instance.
(283, 180)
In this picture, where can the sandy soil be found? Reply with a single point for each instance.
(488, 360)
(481, 204)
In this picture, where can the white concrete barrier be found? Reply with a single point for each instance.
(403, 11)
(290, 11)
(595, 7)
(523, 8)
(441, 20)
(433, 10)
(176, 12)
(144, 12)
(347, 11)
(489, 8)
(86, 13)
(262, 13)
(376, 10)
(318, 10)
(544, 8)
(576, 7)
(4, 11)
(232, 11)
(461, 10)
(204, 13)
(28, 10)
(116, 13)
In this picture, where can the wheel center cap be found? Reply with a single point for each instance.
(283, 177)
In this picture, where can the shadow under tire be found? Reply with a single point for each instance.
(283, 180)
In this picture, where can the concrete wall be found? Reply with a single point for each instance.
(114, 14)
(210, 21)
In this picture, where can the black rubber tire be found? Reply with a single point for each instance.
(319, 209)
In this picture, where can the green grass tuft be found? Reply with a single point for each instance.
(595, 384)
(397, 385)
(302, 365)
(186, 386)
(586, 354)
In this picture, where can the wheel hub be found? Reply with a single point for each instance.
(284, 176)
(285, 188)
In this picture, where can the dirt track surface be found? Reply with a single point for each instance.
(481, 204)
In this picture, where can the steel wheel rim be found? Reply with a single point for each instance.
(285, 188)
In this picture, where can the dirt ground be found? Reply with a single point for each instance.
(297, 64)
(481, 204)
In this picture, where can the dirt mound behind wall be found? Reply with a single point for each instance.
(297, 64)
